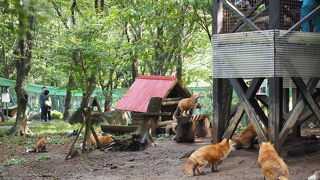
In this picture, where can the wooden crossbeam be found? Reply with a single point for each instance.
(250, 92)
(234, 10)
(295, 112)
(240, 86)
(264, 100)
(308, 114)
(306, 94)
(247, 14)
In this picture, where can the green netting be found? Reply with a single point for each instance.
(57, 91)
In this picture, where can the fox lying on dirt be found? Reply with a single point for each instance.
(186, 105)
(246, 137)
(212, 154)
(91, 143)
(315, 176)
(273, 167)
(40, 145)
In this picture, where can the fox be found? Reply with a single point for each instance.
(186, 105)
(315, 176)
(103, 140)
(273, 167)
(40, 145)
(246, 137)
(212, 154)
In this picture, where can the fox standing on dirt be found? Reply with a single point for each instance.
(40, 146)
(212, 154)
(246, 137)
(186, 105)
(273, 167)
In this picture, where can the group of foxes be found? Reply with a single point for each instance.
(272, 165)
(91, 142)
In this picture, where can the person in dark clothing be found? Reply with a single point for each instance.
(42, 105)
(47, 105)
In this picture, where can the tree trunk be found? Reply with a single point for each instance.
(90, 85)
(134, 68)
(23, 64)
(67, 104)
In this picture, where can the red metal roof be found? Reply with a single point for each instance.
(144, 87)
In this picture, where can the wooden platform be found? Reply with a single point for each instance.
(127, 129)
(299, 146)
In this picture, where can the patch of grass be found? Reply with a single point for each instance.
(8, 122)
(14, 161)
(162, 137)
(124, 136)
(55, 127)
(42, 158)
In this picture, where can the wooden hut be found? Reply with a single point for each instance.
(153, 95)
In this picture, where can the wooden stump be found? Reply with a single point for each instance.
(186, 129)
(203, 127)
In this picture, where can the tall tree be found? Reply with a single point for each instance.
(25, 14)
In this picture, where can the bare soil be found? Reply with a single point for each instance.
(160, 162)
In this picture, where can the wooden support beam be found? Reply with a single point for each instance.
(314, 106)
(295, 112)
(169, 103)
(173, 99)
(95, 137)
(275, 15)
(250, 92)
(275, 110)
(297, 128)
(219, 121)
(264, 100)
(234, 110)
(308, 114)
(240, 86)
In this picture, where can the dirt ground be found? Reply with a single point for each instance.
(160, 162)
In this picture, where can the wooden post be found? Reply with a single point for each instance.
(285, 105)
(275, 112)
(219, 121)
(297, 128)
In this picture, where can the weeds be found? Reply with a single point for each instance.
(14, 161)
(42, 158)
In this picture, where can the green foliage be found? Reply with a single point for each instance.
(7, 123)
(162, 137)
(42, 158)
(14, 161)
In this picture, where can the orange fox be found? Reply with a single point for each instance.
(273, 167)
(246, 137)
(212, 154)
(315, 176)
(103, 140)
(186, 105)
(40, 145)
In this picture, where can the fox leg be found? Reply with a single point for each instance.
(201, 164)
(214, 166)
(199, 169)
